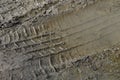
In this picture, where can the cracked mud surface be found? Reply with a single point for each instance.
(59, 40)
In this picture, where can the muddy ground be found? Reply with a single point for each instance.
(59, 40)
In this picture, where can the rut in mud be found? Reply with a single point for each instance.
(59, 40)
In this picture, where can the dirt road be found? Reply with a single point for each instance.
(59, 40)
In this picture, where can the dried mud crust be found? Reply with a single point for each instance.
(55, 40)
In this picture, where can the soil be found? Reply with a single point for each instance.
(59, 40)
